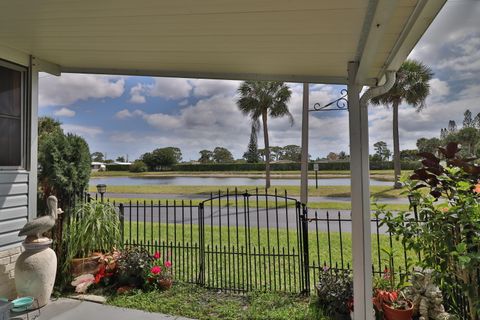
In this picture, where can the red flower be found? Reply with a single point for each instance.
(156, 270)
(168, 263)
(477, 188)
(100, 274)
(157, 255)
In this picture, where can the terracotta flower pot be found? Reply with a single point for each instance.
(397, 314)
(165, 284)
(79, 266)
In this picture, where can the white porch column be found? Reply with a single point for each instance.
(32, 137)
(359, 170)
(304, 158)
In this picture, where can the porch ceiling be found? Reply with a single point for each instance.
(301, 40)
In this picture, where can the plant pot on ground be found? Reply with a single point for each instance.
(91, 230)
(403, 311)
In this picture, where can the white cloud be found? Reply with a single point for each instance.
(207, 87)
(81, 130)
(438, 90)
(70, 88)
(137, 94)
(125, 113)
(170, 88)
(183, 103)
(64, 112)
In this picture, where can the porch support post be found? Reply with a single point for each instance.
(360, 194)
(304, 156)
(32, 135)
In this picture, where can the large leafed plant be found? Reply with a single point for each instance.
(447, 231)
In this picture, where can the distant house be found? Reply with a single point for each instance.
(121, 163)
(98, 166)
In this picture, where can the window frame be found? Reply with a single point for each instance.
(23, 115)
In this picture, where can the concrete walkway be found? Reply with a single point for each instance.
(70, 309)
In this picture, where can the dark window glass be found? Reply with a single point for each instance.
(10, 117)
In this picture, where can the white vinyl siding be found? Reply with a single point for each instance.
(13, 206)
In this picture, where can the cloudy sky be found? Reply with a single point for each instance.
(132, 115)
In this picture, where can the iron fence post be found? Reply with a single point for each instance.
(122, 223)
(306, 262)
(201, 248)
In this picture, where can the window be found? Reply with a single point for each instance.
(11, 116)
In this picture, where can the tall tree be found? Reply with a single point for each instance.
(292, 152)
(276, 153)
(206, 156)
(222, 155)
(382, 152)
(252, 155)
(452, 126)
(97, 156)
(411, 86)
(120, 159)
(260, 99)
(428, 145)
(467, 119)
(476, 121)
(162, 158)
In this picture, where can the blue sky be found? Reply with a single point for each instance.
(133, 115)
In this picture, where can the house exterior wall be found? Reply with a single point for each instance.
(18, 187)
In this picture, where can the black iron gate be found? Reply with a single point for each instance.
(252, 241)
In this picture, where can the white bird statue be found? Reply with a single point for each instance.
(36, 228)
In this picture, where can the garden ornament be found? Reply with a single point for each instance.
(427, 297)
(36, 228)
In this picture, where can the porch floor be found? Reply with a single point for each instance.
(70, 309)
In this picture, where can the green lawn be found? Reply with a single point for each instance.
(261, 204)
(324, 191)
(226, 256)
(198, 303)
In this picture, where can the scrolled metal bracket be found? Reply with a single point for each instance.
(339, 104)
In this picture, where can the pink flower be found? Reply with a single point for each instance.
(156, 255)
(168, 263)
(156, 270)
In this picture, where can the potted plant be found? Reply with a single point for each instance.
(389, 300)
(335, 293)
(92, 230)
(159, 274)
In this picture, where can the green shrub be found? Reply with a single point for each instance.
(138, 166)
(117, 167)
(64, 162)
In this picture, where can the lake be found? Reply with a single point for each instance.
(221, 181)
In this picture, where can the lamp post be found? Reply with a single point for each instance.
(413, 203)
(101, 188)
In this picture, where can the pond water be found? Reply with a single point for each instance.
(221, 181)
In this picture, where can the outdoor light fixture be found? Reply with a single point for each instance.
(101, 188)
(413, 203)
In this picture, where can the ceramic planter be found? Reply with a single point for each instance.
(396, 314)
(35, 272)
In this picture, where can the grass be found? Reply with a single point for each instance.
(323, 191)
(195, 302)
(261, 204)
(331, 249)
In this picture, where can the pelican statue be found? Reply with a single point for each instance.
(36, 228)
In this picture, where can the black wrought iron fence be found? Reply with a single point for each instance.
(243, 241)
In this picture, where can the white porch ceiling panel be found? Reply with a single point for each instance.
(301, 40)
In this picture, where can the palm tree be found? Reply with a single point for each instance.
(411, 86)
(260, 99)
